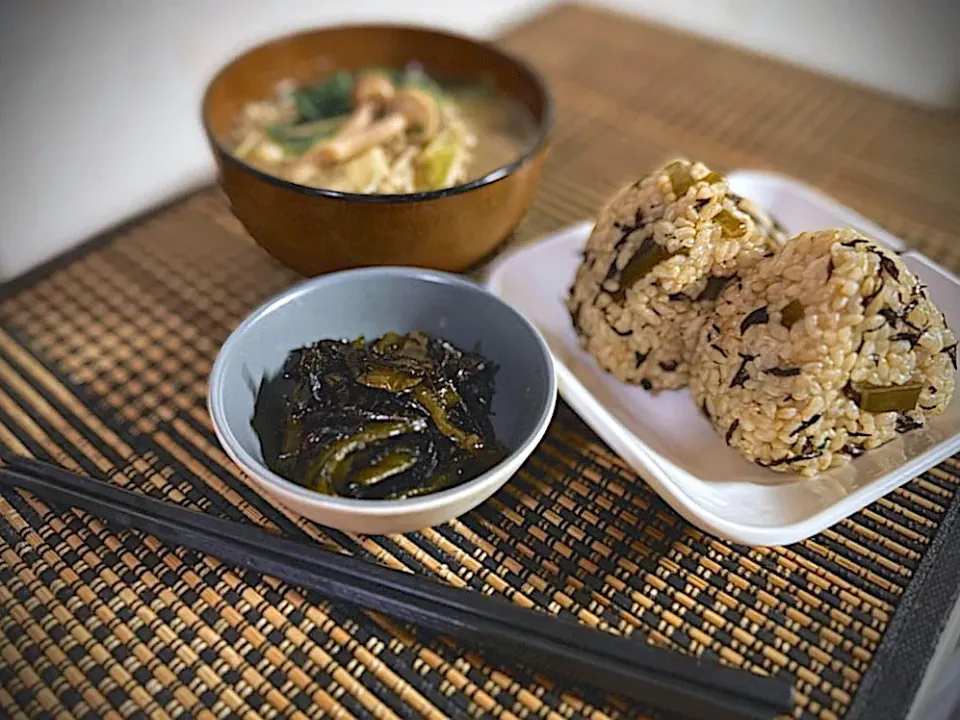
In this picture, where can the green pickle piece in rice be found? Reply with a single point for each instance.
(829, 348)
(660, 253)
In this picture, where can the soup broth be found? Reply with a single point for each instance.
(382, 132)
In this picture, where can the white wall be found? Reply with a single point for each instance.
(905, 47)
(99, 99)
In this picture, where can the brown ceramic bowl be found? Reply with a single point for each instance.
(315, 231)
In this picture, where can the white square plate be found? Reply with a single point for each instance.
(671, 445)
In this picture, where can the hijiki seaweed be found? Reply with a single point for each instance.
(397, 417)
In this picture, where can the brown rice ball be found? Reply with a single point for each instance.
(821, 352)
(659, 254)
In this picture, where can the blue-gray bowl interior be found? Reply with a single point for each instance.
(370, 302)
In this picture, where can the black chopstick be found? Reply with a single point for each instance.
(617, 665)
(728, 681)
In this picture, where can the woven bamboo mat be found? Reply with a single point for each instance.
(103, 366)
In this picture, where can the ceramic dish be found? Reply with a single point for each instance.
(671, 445)
(371, 302)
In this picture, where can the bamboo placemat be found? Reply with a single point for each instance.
(103, 365)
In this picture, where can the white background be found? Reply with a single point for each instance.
(99, 99)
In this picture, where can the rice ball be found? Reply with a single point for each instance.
(821, 352)
(660, 252)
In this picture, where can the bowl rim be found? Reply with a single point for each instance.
(544, 126)
(288, 489)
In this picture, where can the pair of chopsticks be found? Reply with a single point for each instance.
(553, 645)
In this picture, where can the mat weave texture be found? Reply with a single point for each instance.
(103, 367)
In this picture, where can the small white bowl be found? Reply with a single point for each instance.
(370, 302)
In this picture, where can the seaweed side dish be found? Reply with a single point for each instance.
(395, 417)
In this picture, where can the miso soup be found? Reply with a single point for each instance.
(383, 131)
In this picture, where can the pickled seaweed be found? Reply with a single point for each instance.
(790, 460)
(401, 416)
(742, 374)
(891, 398)
(792, 313)
(783, 372)
(889, 267)
(805, 424)
(680, 178)
(731, 225)
(732, 429)
(647, 257)
(905, 424)
(714, 287)
(757, 317)
(951, 352)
